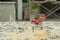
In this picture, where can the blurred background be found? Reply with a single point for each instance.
(25, 10)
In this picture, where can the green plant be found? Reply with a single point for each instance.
(33, 6)
(24, 4)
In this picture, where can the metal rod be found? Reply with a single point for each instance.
(29, 1)
(51, 10)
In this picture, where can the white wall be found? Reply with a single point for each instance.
(20, 9)
(7, 11)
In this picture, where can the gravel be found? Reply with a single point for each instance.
(51, 27)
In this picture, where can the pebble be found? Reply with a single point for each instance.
(49, 26)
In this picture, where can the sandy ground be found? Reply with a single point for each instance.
(27, 31)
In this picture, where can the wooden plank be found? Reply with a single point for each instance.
(52, 1)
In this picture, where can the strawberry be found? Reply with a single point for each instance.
(36, 22)
(41, 19)
(45, 17)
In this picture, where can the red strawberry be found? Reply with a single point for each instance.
(45, 17)
(41, 19)
(36, 22)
